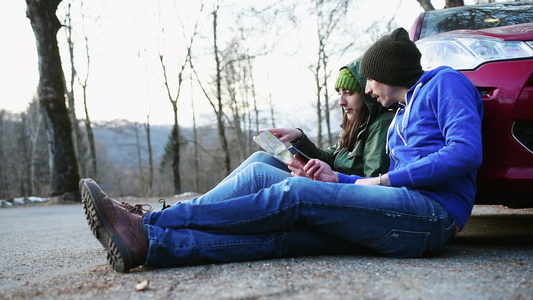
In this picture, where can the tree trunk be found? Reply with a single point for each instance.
(139, 155)
(176, 151)
(175, 134)
(3, 180)
(195, 137)
(24, 167)
(426, 5)
(34, 119)
(150, 157)
(326, 97)
(271, 104)
(51, 91)
(254, 97)
(238, 120)
(90, 134)
(454, 3)
(88, 125)
(78, 137)
(318, 105)
(220, 112)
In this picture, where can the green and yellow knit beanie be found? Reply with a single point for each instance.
(393, 60)
(346, 80)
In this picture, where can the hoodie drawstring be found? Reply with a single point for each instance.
(405, 119)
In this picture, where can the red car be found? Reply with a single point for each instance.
(492, 45)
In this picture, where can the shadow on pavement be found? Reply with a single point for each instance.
(498, 230)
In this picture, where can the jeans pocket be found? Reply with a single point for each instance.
(401, 243)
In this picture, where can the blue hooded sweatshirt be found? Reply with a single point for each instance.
(434, 141)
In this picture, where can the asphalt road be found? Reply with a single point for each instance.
(48, 252)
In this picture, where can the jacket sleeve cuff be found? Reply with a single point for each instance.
(343, 178)
(399, 178)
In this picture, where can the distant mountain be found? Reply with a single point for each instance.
(120, 141)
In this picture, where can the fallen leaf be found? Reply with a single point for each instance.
(142, 285)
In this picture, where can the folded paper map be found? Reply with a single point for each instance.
(268, 141)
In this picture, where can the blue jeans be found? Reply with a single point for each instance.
(263, 170)
(265, 218)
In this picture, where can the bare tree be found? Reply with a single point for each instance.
(254, 96)
(232, 72)
(34, 123)
(454, 3)
(78, 136)
(88, 126)
(218, 82)
(427, 6)
(175, 135)
(329, 14)
(150, 157)
(51, 92)
(138, 148)
(271, 105)
(147, 128)
(11, 161)
(79, 143)
(218, 105)
(3, 178)
(195, 134)
(23, 172)
(233, 77)
(83, 82)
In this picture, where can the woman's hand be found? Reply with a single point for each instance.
(296, 168)
(286, 134)
(320, 171)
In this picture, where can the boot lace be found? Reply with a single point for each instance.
(165, 206)
(139, 209)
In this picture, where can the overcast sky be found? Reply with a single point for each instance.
(124, 86)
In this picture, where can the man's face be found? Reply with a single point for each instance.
(385, 94)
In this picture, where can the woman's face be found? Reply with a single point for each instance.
(351, 102)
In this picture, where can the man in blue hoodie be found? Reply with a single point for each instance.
(414, 210)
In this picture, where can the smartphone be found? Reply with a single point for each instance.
(300, 154)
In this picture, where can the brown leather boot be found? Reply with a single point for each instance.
(138, 209)
(115, 227)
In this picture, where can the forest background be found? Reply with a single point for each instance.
(164, 97)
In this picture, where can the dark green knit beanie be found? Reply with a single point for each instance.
(393, 60)
(346, 80)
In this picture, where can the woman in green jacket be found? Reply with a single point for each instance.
(361, 146)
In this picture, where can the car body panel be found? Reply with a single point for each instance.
(480, 16)
(507, 169)
(519, 32)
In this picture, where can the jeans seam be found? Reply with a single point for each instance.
(300, 203)
(242, 186)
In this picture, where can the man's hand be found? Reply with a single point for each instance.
(320, 171)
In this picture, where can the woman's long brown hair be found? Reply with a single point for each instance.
(351, 128)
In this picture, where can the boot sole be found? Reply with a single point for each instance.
(117, 254)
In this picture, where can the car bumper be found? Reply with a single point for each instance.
(506, 175)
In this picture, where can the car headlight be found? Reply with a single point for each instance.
(465, 52)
